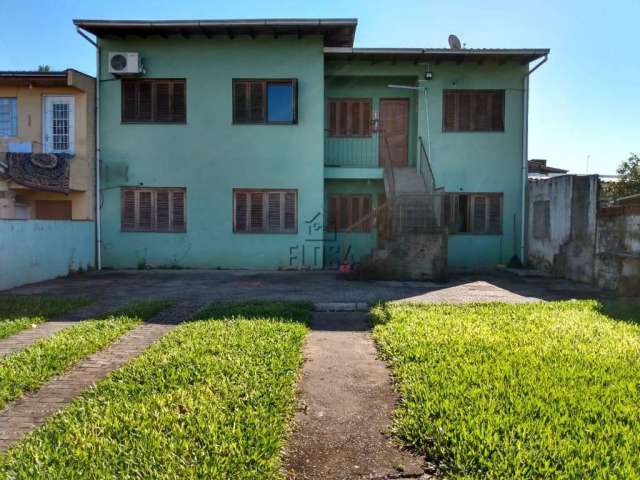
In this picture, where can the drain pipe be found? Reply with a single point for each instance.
(525, 159)
(97, 159)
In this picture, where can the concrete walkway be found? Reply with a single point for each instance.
(25, 338)
(32, 410)
(341, 431)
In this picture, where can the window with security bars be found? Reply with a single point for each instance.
(476, 213)
(265, 101)
(349, 212)
(8, 117)
(349, 117)
(265, 211)
(154, 210)
(60, 126)
(473, 111)
(154, 101)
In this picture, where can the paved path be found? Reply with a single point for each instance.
(32, 410)
(348, 400)
(25, 338)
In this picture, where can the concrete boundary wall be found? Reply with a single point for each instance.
(36, 250)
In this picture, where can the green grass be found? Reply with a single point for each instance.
(548, 390)
(18, 312)
(28, 369)
(210, 400)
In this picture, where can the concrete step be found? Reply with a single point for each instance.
(408, 181)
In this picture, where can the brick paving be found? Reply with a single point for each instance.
(27, 337)
(32, 409)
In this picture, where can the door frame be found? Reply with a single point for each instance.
(407, 100)
(72, 122)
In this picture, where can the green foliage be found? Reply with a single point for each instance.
(18, 312)
(548, 390)
(44, 68)
(28, 369)
(629, 184)
(209, 400)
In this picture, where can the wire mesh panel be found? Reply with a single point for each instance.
(422, 213)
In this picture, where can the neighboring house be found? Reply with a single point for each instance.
(276, 144)
(538, 168)
(47, 113)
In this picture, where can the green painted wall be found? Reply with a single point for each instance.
(463, 162)
(210, 156)
(364, 152)
(354, 244)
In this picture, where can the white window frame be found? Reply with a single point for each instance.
(13, 116)
(47, 122)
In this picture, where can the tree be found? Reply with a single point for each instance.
(44, 68)
(629, 183)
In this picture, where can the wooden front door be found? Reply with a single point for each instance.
(394, 134)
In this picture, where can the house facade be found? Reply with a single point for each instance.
(43, 113)
(276, 144)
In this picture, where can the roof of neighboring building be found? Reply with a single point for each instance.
(337, 32)
(540, 166)
(59, 78)
(523, 55)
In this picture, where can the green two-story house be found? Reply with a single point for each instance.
(276, 144)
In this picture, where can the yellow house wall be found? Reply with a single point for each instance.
(30, 128)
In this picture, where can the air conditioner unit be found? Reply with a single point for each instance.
(125, 63)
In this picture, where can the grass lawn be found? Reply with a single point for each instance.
(18, 312)
(549, 390)
(210, 400)
(28, 369)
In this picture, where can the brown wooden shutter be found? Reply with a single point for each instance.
(256, 211)
(479, 214)
(497, 111)
(129, 101)
(481, 115)
(449, 114)
(343, 213)
(333, 118)
(356, 213)
(257, 101)
(128, 210)
(163, 102)
(178, 216)
(366, 118)
(179, 102)
(273, 211)
(145, 210)
(145, 102)
(53, 210)
(241, 211)
(290, 208)
(463, 112)
(240, 102)
(366, 210)
(332, 218)
(495, 213)
(356, 119)
(162, 211)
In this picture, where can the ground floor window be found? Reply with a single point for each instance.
(349, 212)
(477, 213)
(154, 209)
(53, 209)
(265, 211)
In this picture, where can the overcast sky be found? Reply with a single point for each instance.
(585, 101)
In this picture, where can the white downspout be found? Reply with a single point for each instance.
(97, 162)
(525, 160)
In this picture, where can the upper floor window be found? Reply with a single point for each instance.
(265, 101)
(154, 100)
(8, 117)
(349, 117)
(473, 111)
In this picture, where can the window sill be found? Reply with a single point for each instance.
(152, 231)
(262, 232)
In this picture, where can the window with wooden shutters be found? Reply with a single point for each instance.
(154, 101)
(478, 213)
(153, 210)
(349, 117)
(349, 212)
(265, 101)
(265, 211)
(473, 111)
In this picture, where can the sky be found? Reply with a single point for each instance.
(584, 102)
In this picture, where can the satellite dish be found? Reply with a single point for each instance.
(454, 42)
